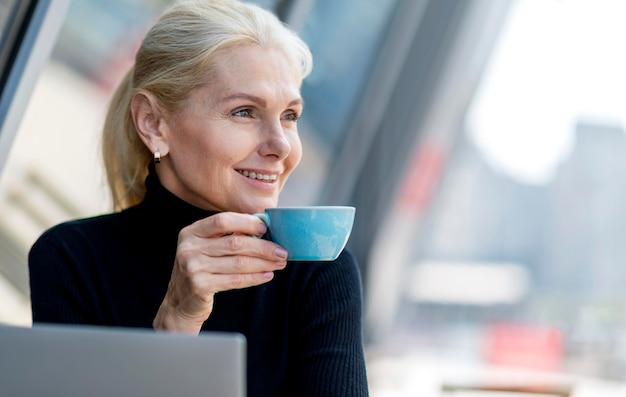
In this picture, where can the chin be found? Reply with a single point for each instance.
(260, 206)
(251, 208)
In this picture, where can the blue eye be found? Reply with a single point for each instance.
(242, 113)
(292, 116)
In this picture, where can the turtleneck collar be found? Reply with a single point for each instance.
(171, 210)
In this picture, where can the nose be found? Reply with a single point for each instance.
(275, 142)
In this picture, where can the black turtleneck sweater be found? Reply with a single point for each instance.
(303, 328)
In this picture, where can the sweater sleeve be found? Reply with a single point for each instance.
(330, 346)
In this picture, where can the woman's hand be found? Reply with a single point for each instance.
(218, 253)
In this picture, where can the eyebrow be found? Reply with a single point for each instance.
(259, 100)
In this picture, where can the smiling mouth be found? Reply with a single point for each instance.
(258, 176)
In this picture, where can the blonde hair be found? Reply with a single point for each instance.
(176, 56)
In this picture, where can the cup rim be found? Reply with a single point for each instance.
(311, 207)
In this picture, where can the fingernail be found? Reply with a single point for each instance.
(262, 228)
(281, 253)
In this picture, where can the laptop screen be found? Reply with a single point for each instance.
(72, 361)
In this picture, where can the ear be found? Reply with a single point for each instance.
(149, 122)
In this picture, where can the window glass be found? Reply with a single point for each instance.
(344, 37)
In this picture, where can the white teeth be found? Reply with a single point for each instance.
(260, 177)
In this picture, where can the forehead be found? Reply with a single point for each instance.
(255, 68)
(251, 53)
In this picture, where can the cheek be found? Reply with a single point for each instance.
(203, 145)
(296, 152)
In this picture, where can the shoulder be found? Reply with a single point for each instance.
(77, 227)
(83, 232)
(79, 246)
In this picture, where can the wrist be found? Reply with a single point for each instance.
(170, 320)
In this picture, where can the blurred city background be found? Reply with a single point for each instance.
(482, 142)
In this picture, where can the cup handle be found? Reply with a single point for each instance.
(263, 217)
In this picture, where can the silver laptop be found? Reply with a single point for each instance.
(80, 361)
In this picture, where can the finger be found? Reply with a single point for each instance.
(200, 265)
(241, 264)
(215, 283)
(199, 291)
(226, 223)
(237, 244)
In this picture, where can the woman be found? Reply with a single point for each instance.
(201, 133)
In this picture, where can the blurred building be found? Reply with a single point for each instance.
(568, 235)
(586, 251)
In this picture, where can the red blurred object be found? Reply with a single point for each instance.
(527, 346)
(422, 177)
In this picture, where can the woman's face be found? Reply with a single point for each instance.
(235, 141)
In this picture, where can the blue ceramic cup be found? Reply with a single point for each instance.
(314, 233)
